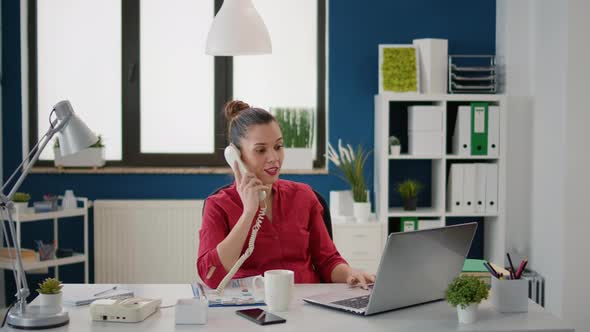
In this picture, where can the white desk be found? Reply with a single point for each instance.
(438, 316)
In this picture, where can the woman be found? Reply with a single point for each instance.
(292, 236)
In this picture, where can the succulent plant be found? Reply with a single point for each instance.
(50, 286)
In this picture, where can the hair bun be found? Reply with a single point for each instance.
(233, 108)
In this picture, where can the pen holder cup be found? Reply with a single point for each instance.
(191, 311)
(510, 295)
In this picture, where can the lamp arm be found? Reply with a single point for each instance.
(6, 200)
(42, 144)
(27, 158)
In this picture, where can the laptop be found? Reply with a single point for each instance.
(416, 267)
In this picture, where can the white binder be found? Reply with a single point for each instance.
(493, 131)
(455, 189)
(469, 187)
(480, 188)
(491, 188)
(462, 133)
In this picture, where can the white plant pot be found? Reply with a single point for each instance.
(361, 211)
(341, 203)
(91, 157)
(467, 315)
(395, 150)
(21, 207)
(298, 158)
(50, 303)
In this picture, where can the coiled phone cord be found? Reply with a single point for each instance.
(246, 254)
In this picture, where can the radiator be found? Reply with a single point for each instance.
(146, 241)
(536, 286)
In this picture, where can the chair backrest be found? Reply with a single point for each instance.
(326, 215)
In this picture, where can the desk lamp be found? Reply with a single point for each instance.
(73, 136)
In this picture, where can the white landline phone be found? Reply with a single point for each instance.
(129, 310)
(232, 154)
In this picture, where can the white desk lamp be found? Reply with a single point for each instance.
(238, 29)
(74, 136)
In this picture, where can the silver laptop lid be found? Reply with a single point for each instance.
(416, 267)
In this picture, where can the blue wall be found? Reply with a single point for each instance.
(355, 30)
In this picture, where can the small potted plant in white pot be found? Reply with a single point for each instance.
(93, 156)
(50, 295)
(297, 126)
(465, 293)
(352, 164)
(409, 190)
(394, 146)
(21, 201)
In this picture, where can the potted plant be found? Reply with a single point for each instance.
(394, 146)
(21, 201)
(94, 156)
(409, 191)
(465, 293)
(50, 295)
(352, 164)
(297, 126)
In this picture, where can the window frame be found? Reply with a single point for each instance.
(130, 85)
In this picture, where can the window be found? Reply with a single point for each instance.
(78, 48)
(132, 71)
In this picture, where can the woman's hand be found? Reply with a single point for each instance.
(360, 278)
(249, 187)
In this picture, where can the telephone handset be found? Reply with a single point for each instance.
(232, 154)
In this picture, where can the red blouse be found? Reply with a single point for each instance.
(296, 239)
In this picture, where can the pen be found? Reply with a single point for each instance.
(105, 291)
(490, 269)
(521, 268)
(201, 291)
(512, 270)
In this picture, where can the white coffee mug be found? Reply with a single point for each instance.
(278, 288)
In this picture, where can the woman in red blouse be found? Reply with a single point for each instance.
(292, 236)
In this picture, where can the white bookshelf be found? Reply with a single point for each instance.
(29, 215)
(494, 224)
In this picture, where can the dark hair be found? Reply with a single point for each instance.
(240, 116)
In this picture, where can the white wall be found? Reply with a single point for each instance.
(533, 53)
(549, 112)
(514, 49)
(545, 47)
(576, 290)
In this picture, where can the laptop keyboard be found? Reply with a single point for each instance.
(355, 302)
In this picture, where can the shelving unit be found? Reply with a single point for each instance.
(386, 103)
(30, 216)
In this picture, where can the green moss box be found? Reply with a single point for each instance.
(398, 68)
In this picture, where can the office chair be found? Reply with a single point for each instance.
(326, 214)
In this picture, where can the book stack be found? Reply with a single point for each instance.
(27, 255)
(475, 268)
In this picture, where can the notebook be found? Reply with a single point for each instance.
(237, 293)
(475, 268)
(92, 292)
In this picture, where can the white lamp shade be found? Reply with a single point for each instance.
(75, 136)
(238, 29)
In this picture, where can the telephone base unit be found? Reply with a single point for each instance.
(130, 310)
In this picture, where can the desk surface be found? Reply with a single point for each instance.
(437, 316)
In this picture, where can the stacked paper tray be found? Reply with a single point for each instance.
(472, 74)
